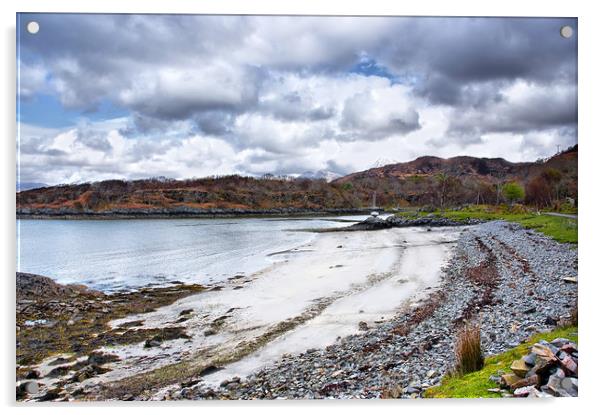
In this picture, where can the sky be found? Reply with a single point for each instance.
(180, 96)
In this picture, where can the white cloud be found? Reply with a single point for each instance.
(32, 79)
(244, 94)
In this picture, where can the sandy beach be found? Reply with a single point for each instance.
(312, 296)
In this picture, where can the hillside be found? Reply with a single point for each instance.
(464, 179)
(426, 180)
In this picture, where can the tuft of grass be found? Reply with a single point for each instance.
(475, 384)
(469, 357)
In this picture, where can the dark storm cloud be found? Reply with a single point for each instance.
(524, 108)
(449, 54)
(216, 123)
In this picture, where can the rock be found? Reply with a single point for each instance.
(28, 388)
(530, 359)
(569, 365)
(528, 381)
(59, 371)
(510, 379)
(559, 342)
(32, 374)
(51, 395)
(88, 372)
(520, 368)
(363, 325)
(562, 387)
(524, 391)
(60, 361)
(154, 342)
(570, 348)
(431, 374)
(543, 364)
(570, 279)
(543, 351)
(186, 312)
(99, 358)
(496, 379)
(209, 370)
(209, 332)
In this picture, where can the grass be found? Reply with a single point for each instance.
(558, 228)
(475, 384)
(469, 357)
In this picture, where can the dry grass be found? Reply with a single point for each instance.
(469, 357)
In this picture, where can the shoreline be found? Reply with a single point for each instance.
(200, 214)
(418, 337)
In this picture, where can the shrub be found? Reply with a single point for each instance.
(513, 192)
(469, 357)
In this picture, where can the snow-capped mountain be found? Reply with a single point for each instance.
(383, 161)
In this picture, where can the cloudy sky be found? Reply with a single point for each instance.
(133, 96)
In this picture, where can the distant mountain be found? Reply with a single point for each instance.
(321, 174)
(22, 186)
(426, 180)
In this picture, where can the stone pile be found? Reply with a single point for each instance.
(550, 369)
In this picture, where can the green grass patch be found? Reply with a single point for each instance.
(558, 228)
(475, 385)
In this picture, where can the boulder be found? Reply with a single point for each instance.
(510, 379)
(520, 368)
(559, 342)
(569, 365)
(543, 351)
(528, 381)
(530, 359)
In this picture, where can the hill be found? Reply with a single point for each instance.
(464, 179)
(426, 180)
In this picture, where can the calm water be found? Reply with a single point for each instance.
(122, 254)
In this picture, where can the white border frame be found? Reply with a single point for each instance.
(590, 139)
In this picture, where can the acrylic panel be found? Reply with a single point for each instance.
(297, 207)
